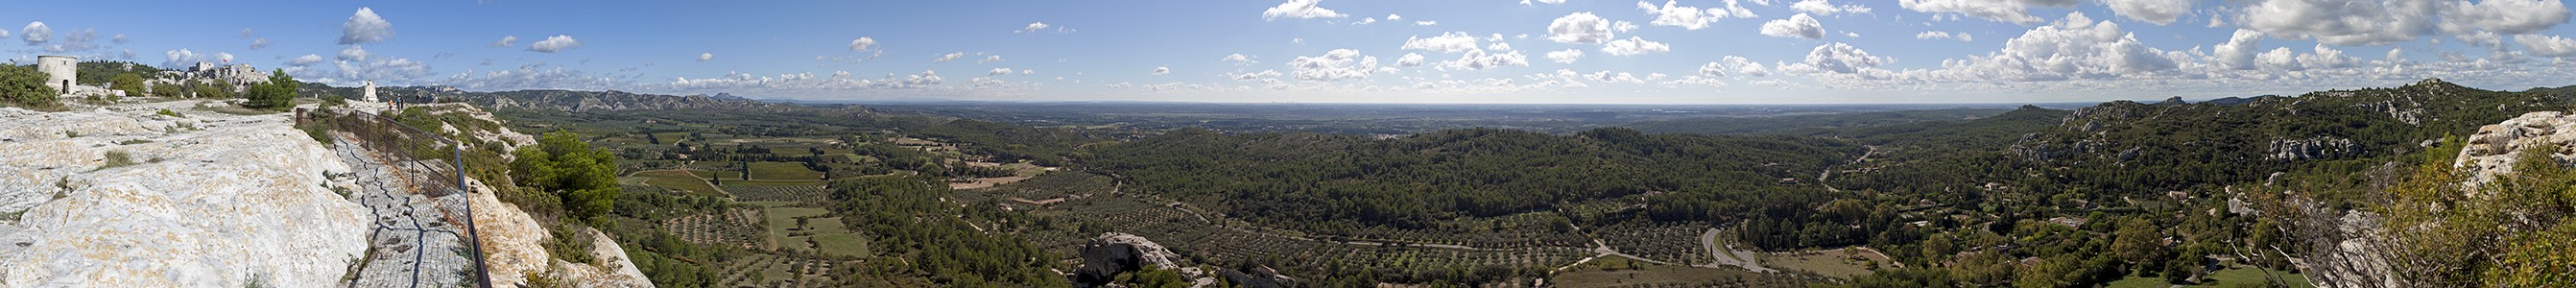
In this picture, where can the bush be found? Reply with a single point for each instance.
(117, 159)
(167, 112)
(278, 93)
(584, 178)
(24, 87)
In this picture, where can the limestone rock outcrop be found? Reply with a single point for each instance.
(1112, 253)
(129, 198)
(2495, 149)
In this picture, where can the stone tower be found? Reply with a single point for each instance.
(370, 92)
(59, 71)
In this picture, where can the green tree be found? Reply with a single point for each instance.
(278, 93)
(172, 90)
(214, 90)
(584, 178)
(2138, 243)
(128, 82)
(23, 86)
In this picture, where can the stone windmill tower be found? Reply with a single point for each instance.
(368, 91)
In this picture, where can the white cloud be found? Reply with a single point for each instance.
(2552, 46)
(862, 43)
(1822, 7)
(1239, 59)
(1634, 46)
(1800, 26)
(1712, 69)
(1264, 74)
(36, 33)
(2238, 52)
(306, 60)
(1451, 42)
(999, 72)
(1618, 26)
(1565, 56)
(703, 57)
(182, 58)
(120, 39)
(255, 44)
(1527, 2)
(951, 56)
(2073, 48)
(1393, 17)
(1838, 58)
(553, 44)
(1746, 67)
(1687, 17)
(1579, 28)
(1480, 60)
(1365, 21)
(365, 27)
(506, 41)
(1409, 60)
(1425, 23)
(1028, 72)
(2505, 16)
(1336, 65)
(1033, 27)
(2014, 11)
(352, 53)
(1961, 36)
(2482, 39)
(1162, 70)
(2161, 12)
(1300, 9)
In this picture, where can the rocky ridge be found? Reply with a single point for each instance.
(205, 199)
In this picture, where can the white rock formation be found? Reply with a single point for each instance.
(212, 200)
(615, 270)
(2495, 148)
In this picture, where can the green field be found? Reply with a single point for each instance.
(1621, 272)
(677, 181)
(783, 171)
(2224, 278)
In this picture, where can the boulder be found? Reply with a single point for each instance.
(1112, 253)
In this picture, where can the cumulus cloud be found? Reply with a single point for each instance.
(1451, 42)
(2073, 48)
(1425, 23)
(862, 43)
(255, 44)
(2013, 11)
(1961, 36)
(2161, 12)
(1527, 2)
(1335, 65)
(703, 57)
(36, 33)
(951, 56)
(1478, 59)
(1822, 7)
(2238, 52)
(2552, 46)
(1162, 70)
(999, 72)
(1634, 46)
(1033, 27)
(120, 39)
(506, 41)
(1393, 17)
(365, 27)
(2353, 23)
(553, 44)
(1565, 56)
(989, 59)
(182, 58)
(2482, 39)
(353, 53)
(1300, 9)
(1409, 60)
(1800, 26)
(1687, 17)
(306, 60)
(1839, 58)
(1579, 28)
(1745, 67)
(2505, 16)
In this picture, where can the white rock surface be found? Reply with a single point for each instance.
(239, 201)
(2495, 148)
(510, 238)
(615, 271)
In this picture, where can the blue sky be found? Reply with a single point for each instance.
(1495, 51)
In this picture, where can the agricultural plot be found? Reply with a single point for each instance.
(1668, 242)
(1621, 272)
(1838, 263)
(1193, 238)
(735, 227)
(1052, 185)
(678, 181)
(783, 171)
(764, 270)
(784, 193)
(1525, 230)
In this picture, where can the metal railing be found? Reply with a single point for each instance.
(413, 183)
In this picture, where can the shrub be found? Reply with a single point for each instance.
(24, 87)
(117, 159)
(278, 93)
(167, 112)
